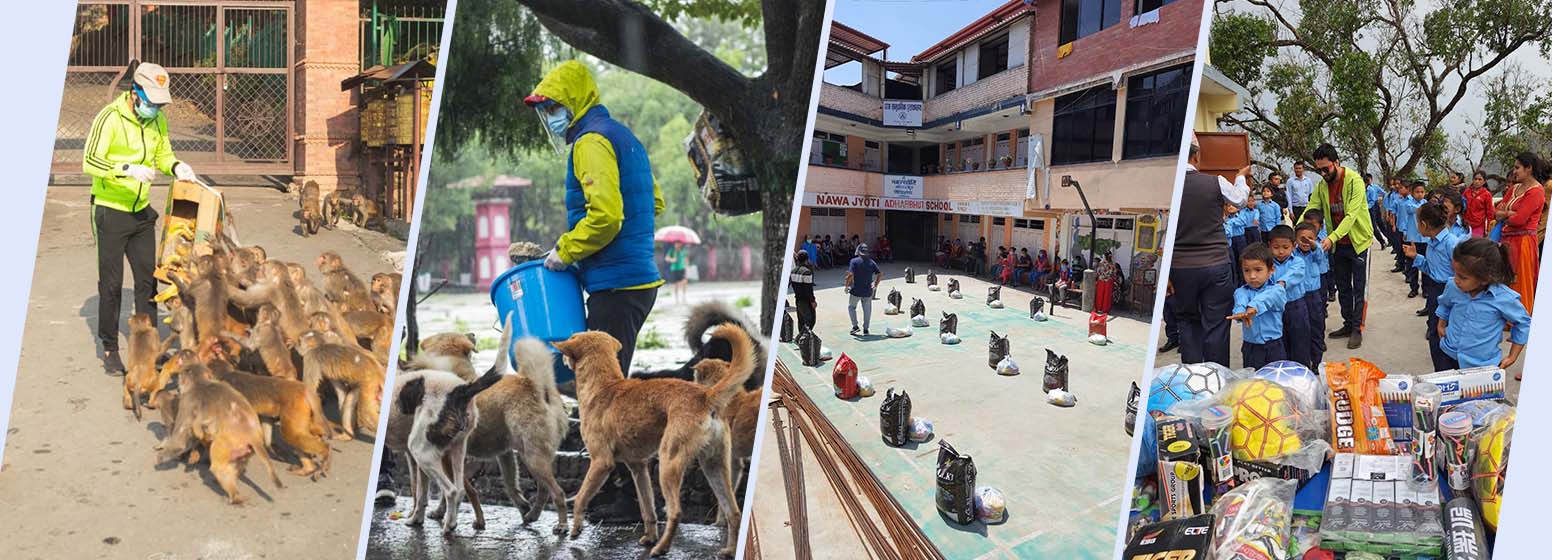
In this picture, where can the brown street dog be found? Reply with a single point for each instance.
(524, 413)
(140, 379)
(276, 400)
(312, 216)
(215, 416)
(742, 414)
(631, 420)
(450, 352)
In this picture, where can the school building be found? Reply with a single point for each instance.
(972, 137)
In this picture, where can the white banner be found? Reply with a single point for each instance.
(1036, 149)
(902, 113)
(1011, 209)
(902, 186)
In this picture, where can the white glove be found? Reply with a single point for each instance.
(552, 261)
(184, 172)
(139, 172)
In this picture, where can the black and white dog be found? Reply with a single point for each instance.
(703, 318)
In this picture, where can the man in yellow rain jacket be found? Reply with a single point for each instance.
(125, 150)
(611, 203)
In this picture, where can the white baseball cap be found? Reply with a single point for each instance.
(153, 79)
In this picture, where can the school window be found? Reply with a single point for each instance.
(994, 56)
(870, 159)
(999, 221)
(948, 217)
(1081, 18)
(947, 76)
(1083, 128)
(828, 149)
(1037, 224)
(974, 154)
(1145, 6)
(1002, 155)
(1123, 223)
(1021, 223)
(1021, 152)
(1155, 111)
(966, 219)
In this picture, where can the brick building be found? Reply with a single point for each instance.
(940, 144)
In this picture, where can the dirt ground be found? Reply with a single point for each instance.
(1060, 469)
(79, 479)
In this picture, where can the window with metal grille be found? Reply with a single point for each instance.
(1081, 18)
(994, 56)
(1156, 112)
(829, 149)
(1083, 128)
(947, 76)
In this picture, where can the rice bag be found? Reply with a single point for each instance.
(990, 507)
(844, 377)
(1254, 520)
(1358, 423)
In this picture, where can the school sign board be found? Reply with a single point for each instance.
(902, 113)
(1012, 209)
(902, 186)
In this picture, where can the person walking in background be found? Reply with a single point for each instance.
(1104, 288)
(1520, 213)
(611, 203)
(1342, 199)
(1201, 282)
(802, 282)
(127, 148)
(1479, 205)
(862, 278)
(678, 263)
(1300, 188)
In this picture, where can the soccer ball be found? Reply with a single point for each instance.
(1299, 380)
(1487, 471)
(1263, 422)
(1183, 382)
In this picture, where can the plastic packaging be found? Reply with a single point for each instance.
(932, 279)
(921, 429)
(919, 321)
(901, 332)
(894, 418)
(1062, 398)
(1036, 307)
(1464, 539)
(1099, 339)
(1455, 451)
(1168, 386)
(949, 323)
(956, 485)
(1254, 520)
(864, 386)
(895, 300)
(990, 507)
(891, 310)
(997, 348)
(910, 275)
(825, 354)
(994, 296)
(1133, 401)
(810, 349)
(1358, 423)
(1425, 432)
(1040, 317)
(1487, 471)
(918, 309)
(948, 338)
(1216, 421)
(1056, 370)
(1007, 366)
(955, 294)
(844, 377)
(1297, 378)
(788, 327)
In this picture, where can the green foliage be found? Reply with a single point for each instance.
(1240, 44)
(743, 12)
(651, 340)
(744, 302)
(497, 54)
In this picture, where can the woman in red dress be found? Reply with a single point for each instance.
(1105, 287)
(1520, 212)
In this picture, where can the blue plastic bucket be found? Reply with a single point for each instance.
(543, 304)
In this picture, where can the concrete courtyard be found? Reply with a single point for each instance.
(79, 479)
(1393, 335)
(1061, 469)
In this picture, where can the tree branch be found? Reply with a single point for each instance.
(631, 36)
(780, 31)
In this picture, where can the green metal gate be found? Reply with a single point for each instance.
(232, 79)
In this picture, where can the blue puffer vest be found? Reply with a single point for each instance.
(626, 261)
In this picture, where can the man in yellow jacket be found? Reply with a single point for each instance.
(125, 151)
(611, 203)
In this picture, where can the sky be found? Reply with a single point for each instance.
(909, 26)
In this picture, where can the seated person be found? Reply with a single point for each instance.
(1023, 267)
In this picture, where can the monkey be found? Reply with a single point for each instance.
(357, 378)
(181, 321)
(243, 267)
(340, 285)
(214, 415)
(311, 216)
(374, 328)
(385, 291)
(277, 400)
(140, 379)
(274, 287)
(333, 205)
(206, 294)
(269, 342)
(367, 211)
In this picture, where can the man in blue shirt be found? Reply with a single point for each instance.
(862, 281)
(1300, 187)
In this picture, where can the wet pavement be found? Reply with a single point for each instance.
(505, 536)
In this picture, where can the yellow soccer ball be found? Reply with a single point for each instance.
(1487, 471)
(1263, 424)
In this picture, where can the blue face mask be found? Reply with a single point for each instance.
(144, 109)
(558, 122)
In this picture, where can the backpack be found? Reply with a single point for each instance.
(844, 376)
(894, 418)
(917, 307)
(949, 324)
(997, 349)
(956, 484)
(1055, 372)
(809, 348)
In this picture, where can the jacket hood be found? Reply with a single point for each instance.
(571, 85)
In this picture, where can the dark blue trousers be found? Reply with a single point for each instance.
(1296, 333)
(1315, 306)
(1257, 355)
(1203, 299)
(1432, 289)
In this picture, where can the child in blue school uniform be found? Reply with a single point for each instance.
(1453, 206)
(1234, 227)
(1406, 221)
(1327, 288)
(1434, 260)
(1315, 261)
(1394, 197)
(1251, 218)
(1290, 275)
(1476, 305)
(1271, 215)
(1258, 306)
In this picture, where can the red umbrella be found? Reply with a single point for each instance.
(677, 234)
